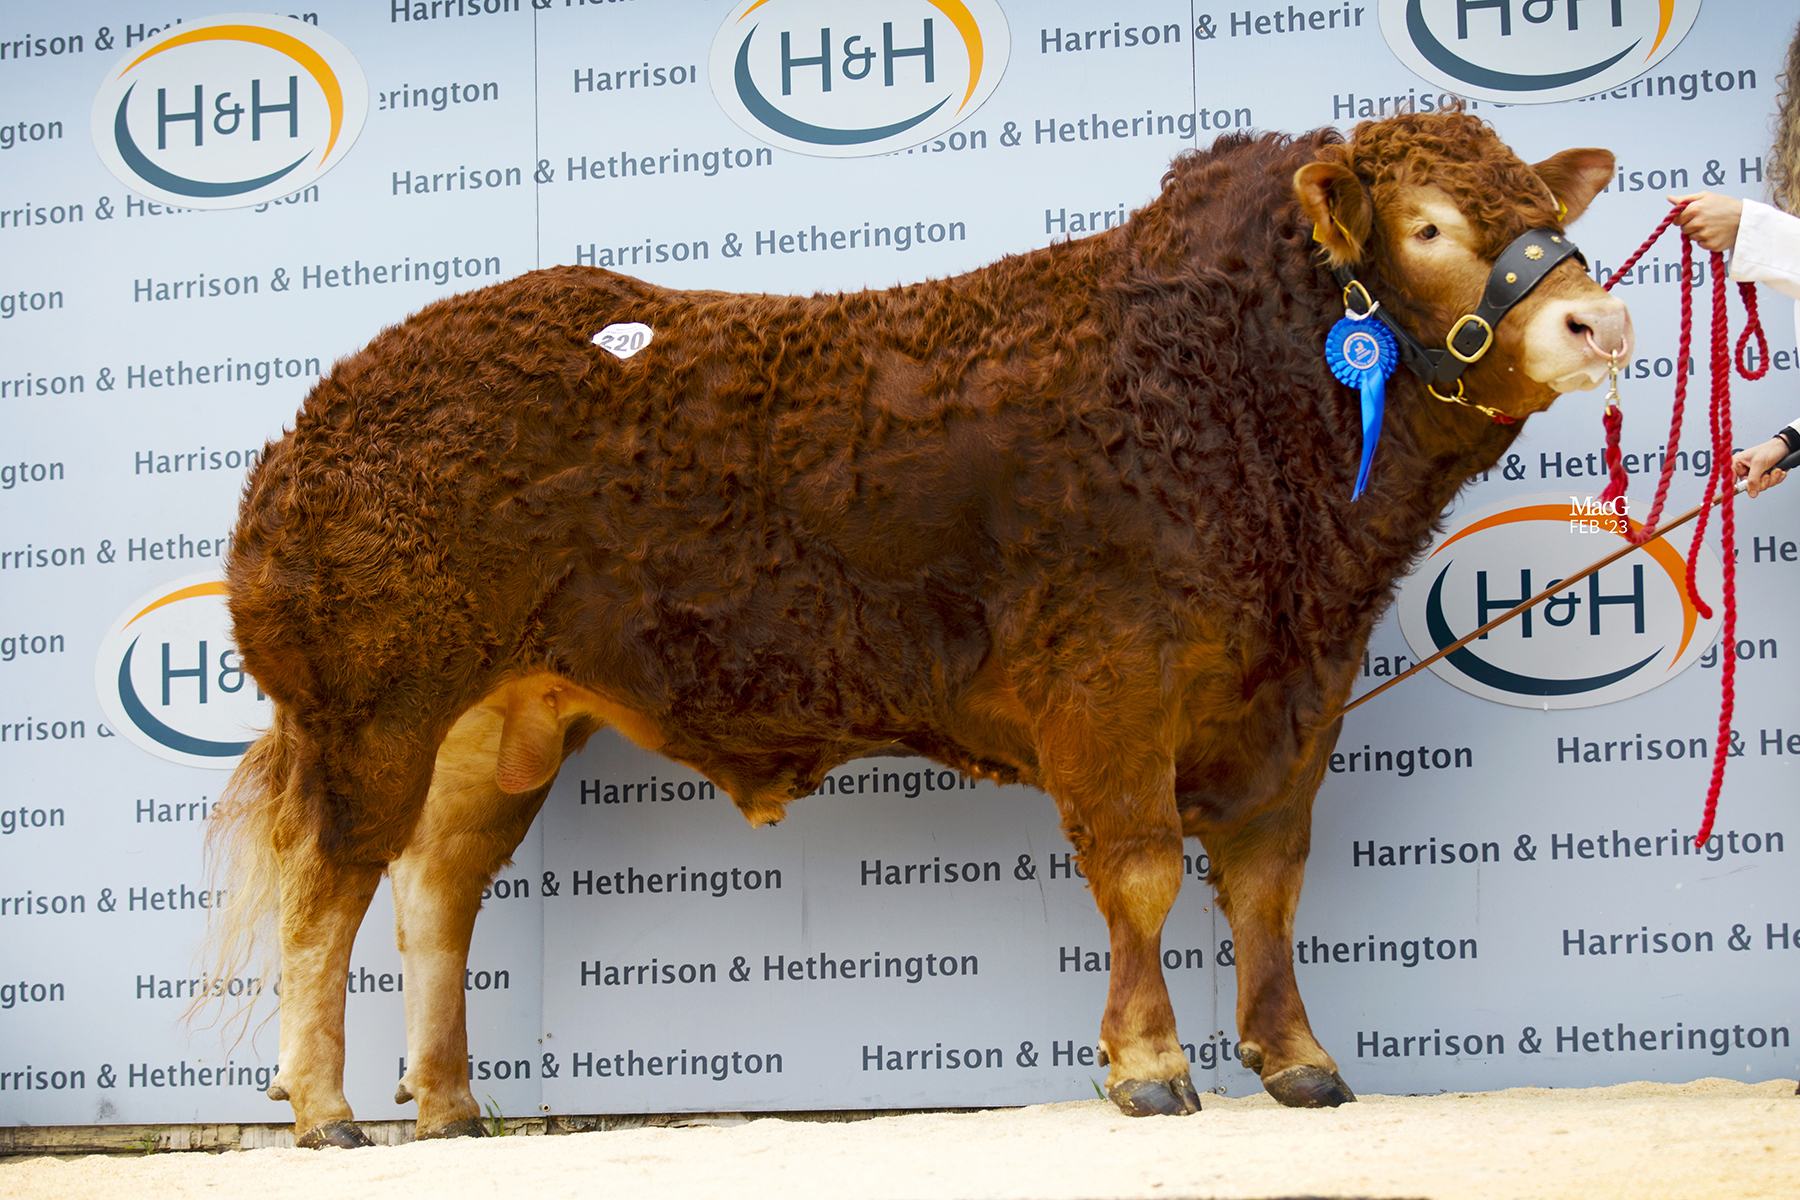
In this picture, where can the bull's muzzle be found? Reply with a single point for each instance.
(1572, 342)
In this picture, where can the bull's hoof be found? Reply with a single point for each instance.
(1155, 1097)
(346, 1135)
(402, 1094)
(462, 1127)
(1309, 1087)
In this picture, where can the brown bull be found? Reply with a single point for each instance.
(1087, 510)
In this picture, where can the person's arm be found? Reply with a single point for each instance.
(1755, 463)
(1765, 248)
(1764, 241)
(1710, 219)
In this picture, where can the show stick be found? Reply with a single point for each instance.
(1786, 464)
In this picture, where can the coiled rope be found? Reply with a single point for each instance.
(1720, 481)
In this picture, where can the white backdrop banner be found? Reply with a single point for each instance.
(1499, 892)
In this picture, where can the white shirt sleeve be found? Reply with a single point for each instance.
(1768, 251)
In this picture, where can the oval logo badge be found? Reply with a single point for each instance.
(170, 679)
(849, 78)
(1535, 52)
(1623, 630)
(229, 111)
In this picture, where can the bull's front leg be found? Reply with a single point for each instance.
(1115, 789)
(1131, 853)
(1258, 866)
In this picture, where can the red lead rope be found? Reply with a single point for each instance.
(1721, 480)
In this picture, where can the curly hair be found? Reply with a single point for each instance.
(1459, 153)
(1784, 160)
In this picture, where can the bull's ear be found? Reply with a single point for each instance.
(1575, 177)
(1338, 207)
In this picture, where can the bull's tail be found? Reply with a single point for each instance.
(241, 853)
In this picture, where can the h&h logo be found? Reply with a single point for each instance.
(848, 79)
(1534, 51)
(1618, 633)
(171, 681)
(230, 111)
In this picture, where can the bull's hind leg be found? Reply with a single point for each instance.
(1258, 867)
(1116, 795)
(322, 904)
(492, 773)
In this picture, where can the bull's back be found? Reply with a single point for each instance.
(774, 506)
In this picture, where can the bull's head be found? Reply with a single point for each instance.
(1421, 206)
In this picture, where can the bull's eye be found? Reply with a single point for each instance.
(1427, 233)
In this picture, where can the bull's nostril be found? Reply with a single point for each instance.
(1578, 329)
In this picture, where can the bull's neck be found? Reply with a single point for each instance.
(1250, 299)
(1428, 451)
(1432, 451)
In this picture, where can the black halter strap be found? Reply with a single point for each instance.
(1520, 267)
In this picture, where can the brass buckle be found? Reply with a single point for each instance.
(1486, 342)
(1368, 301)
(1493, 414)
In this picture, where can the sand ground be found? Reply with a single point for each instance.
(1711, 1138)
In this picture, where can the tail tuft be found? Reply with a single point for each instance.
(242, 861)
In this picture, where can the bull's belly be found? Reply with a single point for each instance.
(513, 740)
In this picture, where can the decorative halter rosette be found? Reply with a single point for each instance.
(1362, 354)
(1519, 268)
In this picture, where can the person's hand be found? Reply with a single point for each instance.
(1710, 219)
(1754, 465)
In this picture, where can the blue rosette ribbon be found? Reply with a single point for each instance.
(1362, 354)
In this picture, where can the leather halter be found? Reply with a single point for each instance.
(1520, 267)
